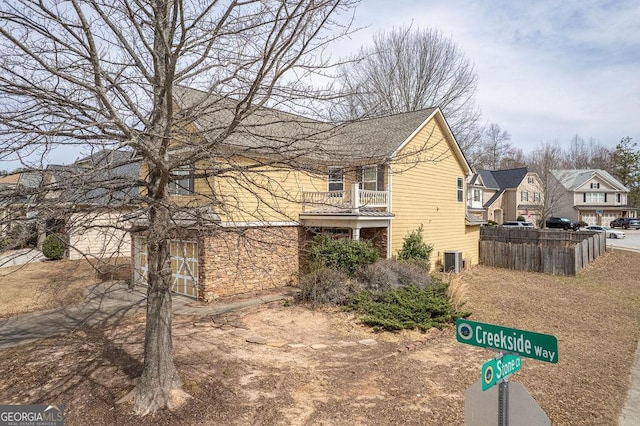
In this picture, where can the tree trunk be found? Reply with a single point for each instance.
(159, 385)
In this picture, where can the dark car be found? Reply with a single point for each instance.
(562, 223)
(625, 222)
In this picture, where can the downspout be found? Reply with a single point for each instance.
(389, 207)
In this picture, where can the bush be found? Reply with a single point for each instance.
(345, 254)
(414, 248)
(407, 307)
(520, 219)
(388, 274)
(326, 285)
(54, 246)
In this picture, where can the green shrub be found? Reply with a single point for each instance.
(343, 253)
(414, 248)
(407, 307)
(54, 246)
(325, 285)
(389, 274)
(520, 219)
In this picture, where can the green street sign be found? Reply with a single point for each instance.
(497, 369)
(543, 347)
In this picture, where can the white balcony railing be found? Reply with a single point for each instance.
(344, 200)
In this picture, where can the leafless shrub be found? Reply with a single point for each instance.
(326, 286)
(389, 274)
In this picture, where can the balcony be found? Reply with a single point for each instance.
(344, 201)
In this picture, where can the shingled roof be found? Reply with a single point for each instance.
(274, 132)
(574, 179)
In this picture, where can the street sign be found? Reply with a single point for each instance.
(499, 368)
(529, 344)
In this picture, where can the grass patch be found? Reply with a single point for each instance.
(407, 307)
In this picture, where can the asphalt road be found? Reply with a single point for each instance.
(631, 240)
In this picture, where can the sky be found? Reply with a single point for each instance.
(547, 70)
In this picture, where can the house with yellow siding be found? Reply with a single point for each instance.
(282, 179)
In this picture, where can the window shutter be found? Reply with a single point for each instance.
(584, 197)
(359, 175)
(605, 197)
(380, 177)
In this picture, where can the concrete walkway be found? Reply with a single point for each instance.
(106, 303)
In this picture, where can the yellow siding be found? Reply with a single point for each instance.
(98, 235)
(424, 191)
(265, 196)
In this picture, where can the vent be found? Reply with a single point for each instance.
(453, 261)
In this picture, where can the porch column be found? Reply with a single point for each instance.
(355, 198)
(355, 234)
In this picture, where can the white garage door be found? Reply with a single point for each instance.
(184, 265)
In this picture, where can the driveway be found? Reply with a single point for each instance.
(20, 257)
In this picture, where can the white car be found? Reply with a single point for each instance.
(517, 224)
(611, 233)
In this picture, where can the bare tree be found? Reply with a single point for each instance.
(494, 148)
(105, 73)
(542, 160)
(409, 69)
(586, 155)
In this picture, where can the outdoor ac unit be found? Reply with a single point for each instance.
(453, 261)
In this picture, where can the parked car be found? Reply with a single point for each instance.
(611, 233)
(625, 222)
(517, 224)
(562, 223)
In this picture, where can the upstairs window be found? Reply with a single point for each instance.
(595, 197)
(524, 196)
(181, 181)
(336, 179)
(595, 185)
(369, 180)
(536, 197)
(477, 195)
(460, 189)
(530, 179)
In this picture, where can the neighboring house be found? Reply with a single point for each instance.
(88, 201)
(589, 195)
(376, 179)
(17, 196)
(476, 212)
(510, 193)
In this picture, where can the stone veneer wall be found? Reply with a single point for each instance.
(245, 260)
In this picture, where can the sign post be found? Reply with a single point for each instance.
(512, 344)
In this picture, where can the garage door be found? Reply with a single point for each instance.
(590, 218)
(184, 265)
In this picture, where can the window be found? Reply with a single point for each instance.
(181, 181)
(369, 180)
(336, 179)
(460, 185)
(477, 195)
(595, 185)
(536, 197)
(594, 197)
(524, 196)
(530, 179)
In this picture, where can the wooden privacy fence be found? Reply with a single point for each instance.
(552, 252)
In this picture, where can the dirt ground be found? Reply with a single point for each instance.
(291, 365)
(43, 285)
